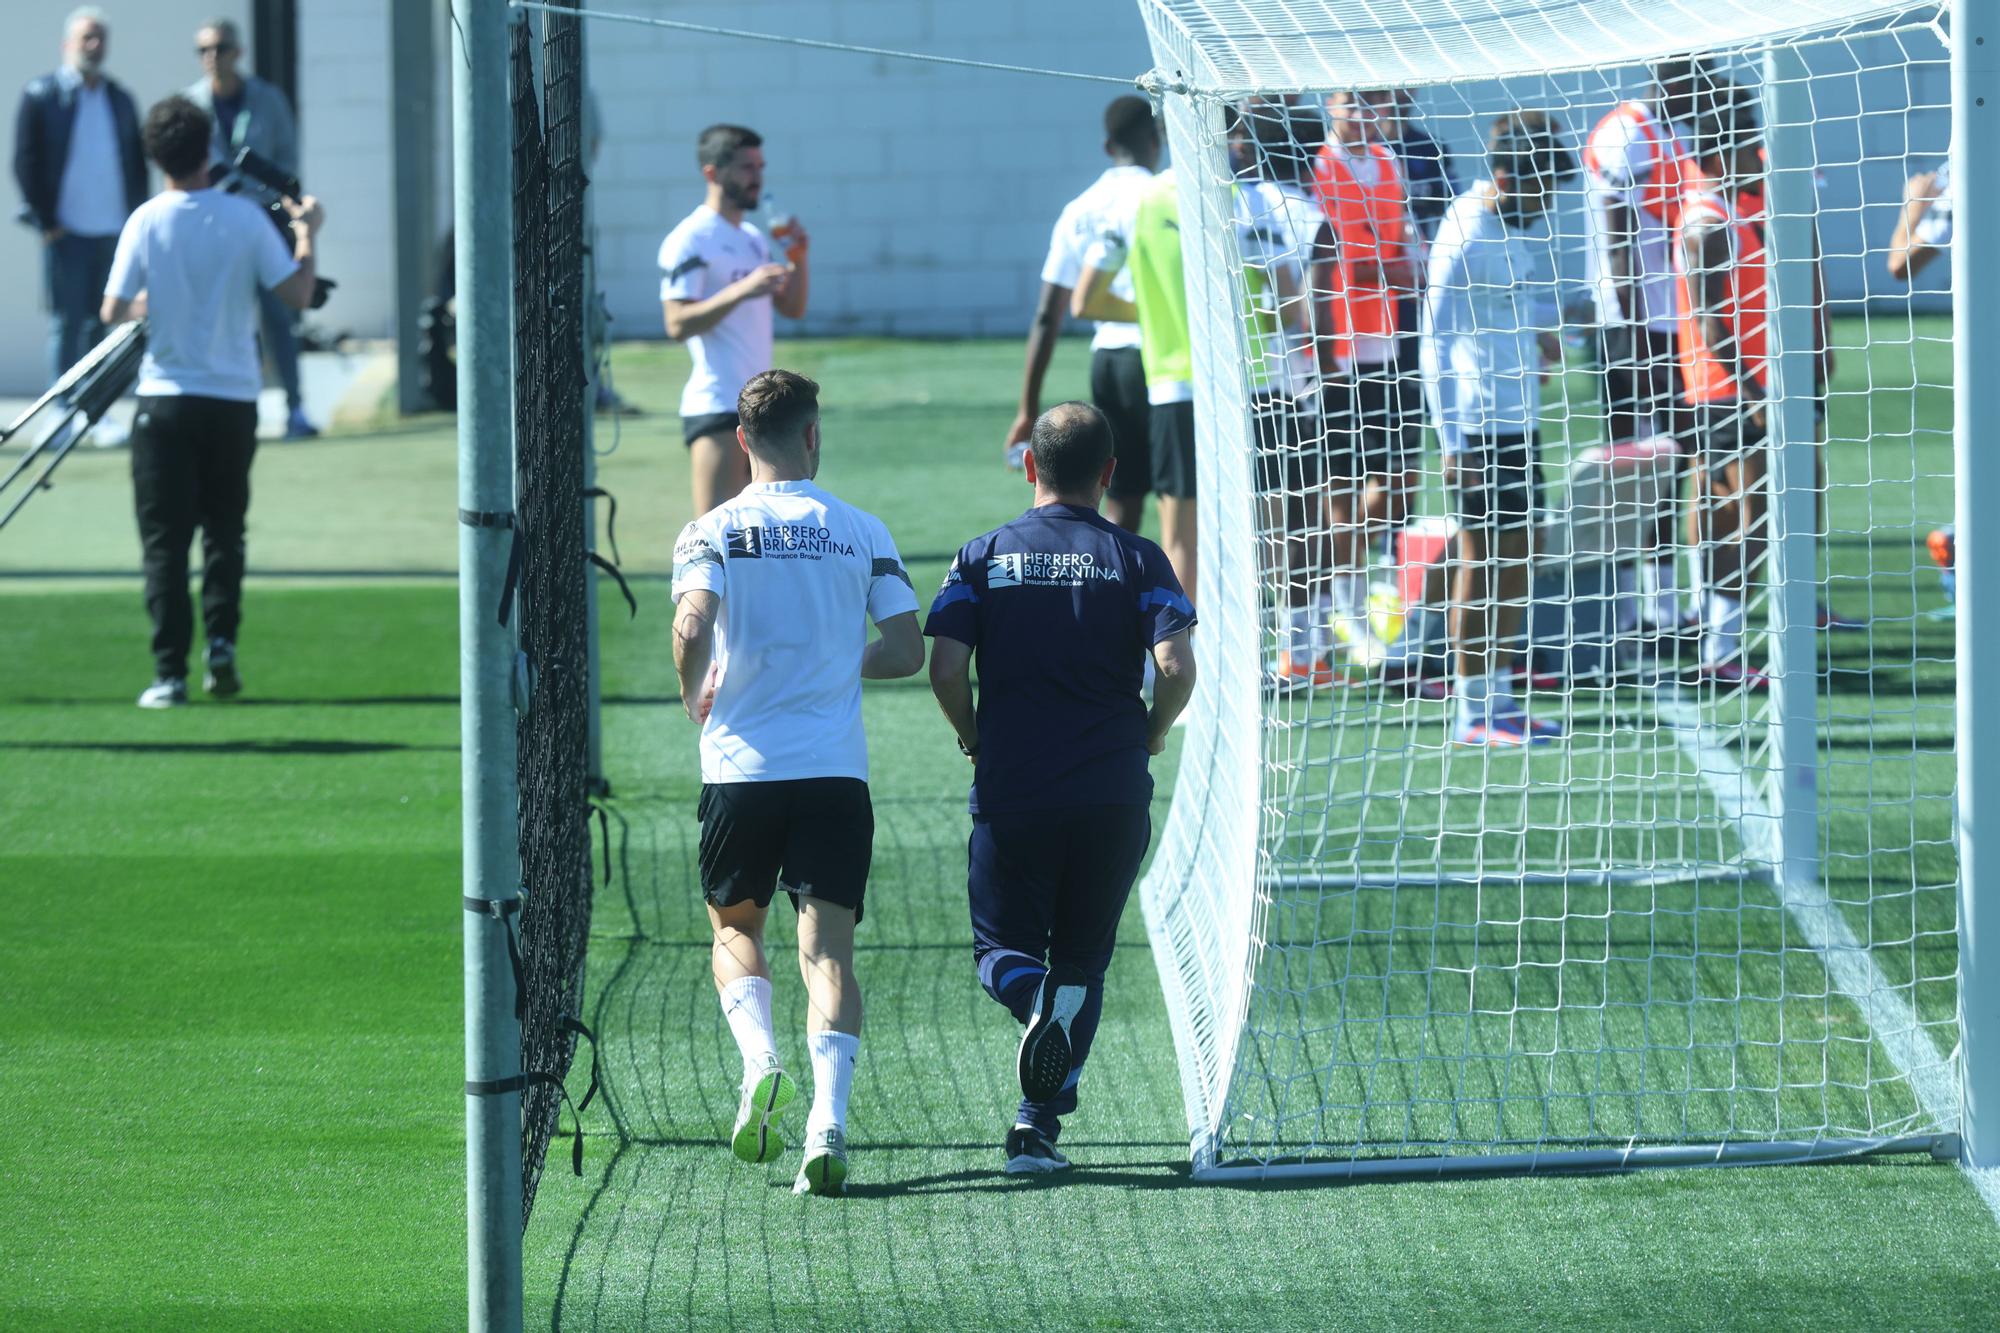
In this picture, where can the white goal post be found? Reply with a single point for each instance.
(1717, 910)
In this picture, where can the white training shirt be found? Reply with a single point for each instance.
(1621, 160)
(1934, 228)
(1492, 289)
(1276, 226)
(800, 573)
(200, 258)
(1113, 196)
(700, 257)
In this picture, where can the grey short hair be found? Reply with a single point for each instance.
(226, 30)
(86, 14)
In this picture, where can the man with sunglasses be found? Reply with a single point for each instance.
(252, 113)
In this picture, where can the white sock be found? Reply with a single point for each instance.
(1298, 632)
(1476, 695)
(1725, 629)
(1659, 581)
(746, 1003)
(1626, 584)
(833, 1075)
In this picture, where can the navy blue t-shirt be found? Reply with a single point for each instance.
(1061, 608)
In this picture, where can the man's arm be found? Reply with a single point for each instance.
(1705, 253)
(28, 162)
(790, 298)
(1621, 231)
(1908, 256)
(307, 215)
(897, 652)
(1042, 334)
(694, 649)
(1173, 686)
(116, 309)
(687, 319)
(951, 682)
(1093, 298)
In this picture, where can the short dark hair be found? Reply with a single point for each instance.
(719, 144)
(1288, 138)
(1529, 144)
(1129, 123)
(177, 136)
(775, 408)
(1071, 443)
(1729, 122)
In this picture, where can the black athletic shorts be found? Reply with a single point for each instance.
(1725, 431)
(1642, 384)
(1171, 428)
(1289, 456)
(815, 836)
(1366, 421)
(1495, 481)
(1118, 390)
(712, 423)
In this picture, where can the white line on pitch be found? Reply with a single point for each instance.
(1849, 965)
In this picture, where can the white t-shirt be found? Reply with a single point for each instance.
(700, 257)
(1275, 227)
(1492, 289)
(1622, 159)
(1934, 228)
(1113, 196)
(797, 571)
(200, 258)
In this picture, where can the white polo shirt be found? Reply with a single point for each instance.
(200, 258)
(1111, 198)
(800, 573)
(700, 257)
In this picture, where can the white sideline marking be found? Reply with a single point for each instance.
(1849, 965)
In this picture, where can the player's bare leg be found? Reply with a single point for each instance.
(743, 982)
(1127, 511)
(719, 468)
(833, 1032)
(1177, 539)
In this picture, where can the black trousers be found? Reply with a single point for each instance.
(191, 469)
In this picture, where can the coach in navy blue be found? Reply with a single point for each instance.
(1061, 609)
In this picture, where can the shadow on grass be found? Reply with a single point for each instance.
(299, 746)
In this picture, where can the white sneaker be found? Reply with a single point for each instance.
(166, 692)
(756, 1137)
(108, 434)
(824, 1170)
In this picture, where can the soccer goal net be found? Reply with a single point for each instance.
(1570, 782)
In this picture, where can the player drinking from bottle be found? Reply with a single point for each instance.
(718, 288)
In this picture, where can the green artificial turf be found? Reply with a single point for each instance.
(231, 1051)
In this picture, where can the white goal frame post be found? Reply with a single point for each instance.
(1212, 885)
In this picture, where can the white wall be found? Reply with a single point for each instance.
(929, 190)
(152, 54)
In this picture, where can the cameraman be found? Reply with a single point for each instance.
(191, 262)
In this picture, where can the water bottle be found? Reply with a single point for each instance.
(783, 229)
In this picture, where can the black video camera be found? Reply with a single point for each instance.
(260, 170)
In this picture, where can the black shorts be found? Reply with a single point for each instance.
(1289, 454)
(1642, 384)
(712, 423)
(1495, 481)
(1725, 431)
(816, 836)
(1118, 390)
(1366, 420)
(1053, 883)
(1170, 427)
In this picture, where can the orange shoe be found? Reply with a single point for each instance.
(1303, 669)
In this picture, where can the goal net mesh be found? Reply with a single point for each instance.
(1552, 383)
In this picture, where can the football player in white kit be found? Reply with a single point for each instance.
(1117, 377)
(719, 285)
(773, 591)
